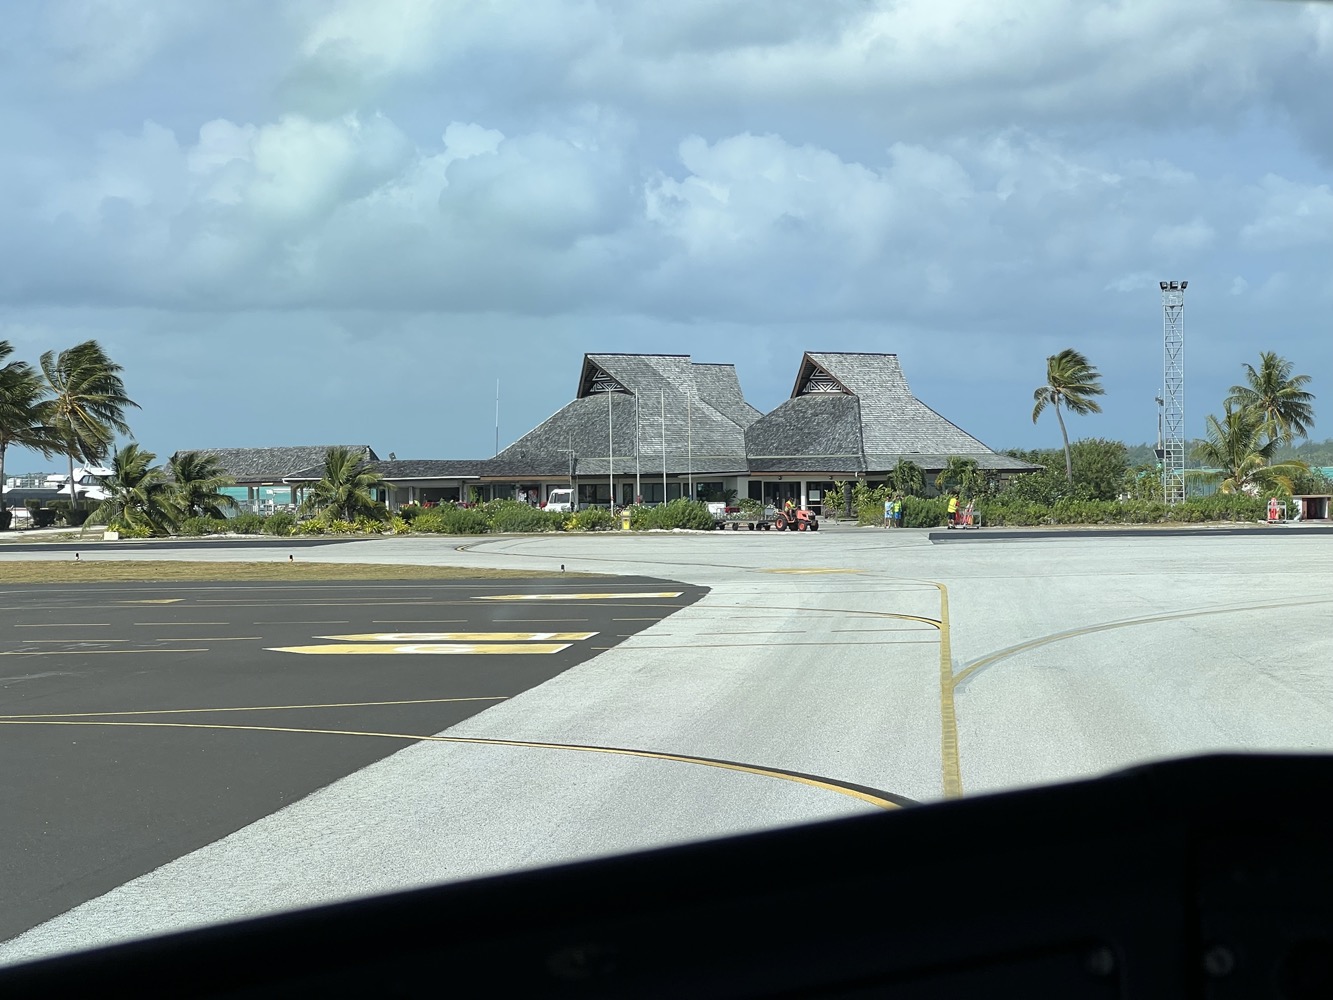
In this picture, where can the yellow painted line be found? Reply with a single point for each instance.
(801, 571)
(462, 636)
(573, 597)
(428, 648)
(98, 652)
(949, 756)
(829, 786)
(251, 708)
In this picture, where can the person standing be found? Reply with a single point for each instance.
(897, 512)
(953, 509)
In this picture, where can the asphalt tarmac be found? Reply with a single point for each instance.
(139, 722)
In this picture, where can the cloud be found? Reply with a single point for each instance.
(1290, 215)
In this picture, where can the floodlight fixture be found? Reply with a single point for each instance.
(1164, 285)
(1184, 285)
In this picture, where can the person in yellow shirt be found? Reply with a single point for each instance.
(953, 509)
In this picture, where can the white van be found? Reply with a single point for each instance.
(560, 500)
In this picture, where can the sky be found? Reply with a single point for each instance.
(341, 221)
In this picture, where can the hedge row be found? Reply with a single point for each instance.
(922, 513)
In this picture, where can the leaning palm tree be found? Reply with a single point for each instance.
(1071, 381)
(347, 489)
(139, 495)
(198, 480)
(87, 403)
(1239, 454)
(1277, 394)
(21, 415)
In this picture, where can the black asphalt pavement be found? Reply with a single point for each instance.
(89, 806)
(1129, 531)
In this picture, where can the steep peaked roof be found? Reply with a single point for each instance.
(817, 429)
(267, 465)
(626, 405)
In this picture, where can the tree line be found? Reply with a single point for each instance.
(1270, 410)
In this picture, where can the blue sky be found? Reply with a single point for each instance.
(314, 222)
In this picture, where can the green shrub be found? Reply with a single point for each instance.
(312, 526)
(408, 511)
(751, 509)
(680, 513)
(512, 516)
(594, 519)
(366, 526)
(129, 531)
(399, 525)
(196, 526)
(280, 522)
(451, 520)
(246, 523)
(922, 512)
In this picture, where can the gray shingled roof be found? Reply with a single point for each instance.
(270, 465)
(704, 422)
(406, 469)
(812, 432)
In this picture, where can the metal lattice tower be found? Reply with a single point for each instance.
(1173, 390)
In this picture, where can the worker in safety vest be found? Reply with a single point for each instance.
(789, 505)
(953, 509)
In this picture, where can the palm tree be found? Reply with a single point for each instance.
(87, 403)
(963, 473)
(1072, 381)
(1280, 396)
(907, 479)
(139, 494)
(21, 415)
(198, 480)
(1235, 446)
(347, 489)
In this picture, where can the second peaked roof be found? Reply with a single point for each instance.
(856, 413)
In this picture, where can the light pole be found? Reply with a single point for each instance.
(1173, 390)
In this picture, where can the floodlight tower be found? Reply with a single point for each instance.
(1173, 390)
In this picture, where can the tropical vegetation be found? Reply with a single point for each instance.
(1238, 453)
(85, 404)
(1279, 398)
(346, 491)
(1071, 383)
(22, 421)
(140, 500)
(198, 480)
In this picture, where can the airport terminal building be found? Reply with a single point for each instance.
(662, 426)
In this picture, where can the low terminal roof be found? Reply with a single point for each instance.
(250, 466)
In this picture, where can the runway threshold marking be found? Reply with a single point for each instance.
(462, 636)
(574, 597)
(875, 797)
(428, 648)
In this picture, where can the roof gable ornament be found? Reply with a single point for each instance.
(814, 379)
(597, 380)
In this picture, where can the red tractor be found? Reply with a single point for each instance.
(795, 519)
